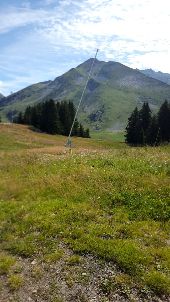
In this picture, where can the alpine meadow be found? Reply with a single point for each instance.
(91, 224)
(84, 151)
(85, 211)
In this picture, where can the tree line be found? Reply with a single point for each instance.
(52, 118)
(143, 128)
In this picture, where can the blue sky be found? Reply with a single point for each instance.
(41, 39)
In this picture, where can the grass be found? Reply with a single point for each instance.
(6, 263)
(116, 136)
(105, 199)
(74, 260)
(54, 256)
(15, 281)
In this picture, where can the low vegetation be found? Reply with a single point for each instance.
(105, 203)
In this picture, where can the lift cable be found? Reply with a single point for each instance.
(68, 143)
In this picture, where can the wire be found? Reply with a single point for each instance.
(83, 92)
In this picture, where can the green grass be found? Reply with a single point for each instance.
(15, 281)
(6, 263)
(54, 256)
(112, 202)
(116, 136)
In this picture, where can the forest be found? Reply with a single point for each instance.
(143, 128)
(53, 118)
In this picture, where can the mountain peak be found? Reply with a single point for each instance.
(149, 69)
(88, 62)
(112, 92)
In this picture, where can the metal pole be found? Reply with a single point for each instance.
(88, 78)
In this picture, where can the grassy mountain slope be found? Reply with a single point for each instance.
(91, 225)
(111, 94)
(161, 76)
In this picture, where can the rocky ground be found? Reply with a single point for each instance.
(72, 278)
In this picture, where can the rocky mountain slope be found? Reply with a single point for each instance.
(158, 75)
(112, 93)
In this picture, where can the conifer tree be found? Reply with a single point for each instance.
(144, 129)
(144, 122)
(132, 129)
(153, 133)
(72, 110)
(49, 118)
(76, 128)
(140, 134)
(35, 116)
(164, 121)
(81, 131)
(20, 119)
(27, 116)
(52, 118)
(65, 117)
(87, 133)
(145, 116)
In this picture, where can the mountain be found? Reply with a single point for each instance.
(112, 93)
(158, 75)
(1, 96)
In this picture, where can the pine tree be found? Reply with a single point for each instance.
(87, 133)
(133, 129)
(65, 117)
(153, 133)
(43, 119)
(145, 119)
(35, 117)
(164, 121)
(145, 115)
(49, 118)
(144, 129)
(52, 118)
(19, 119)
(81, 131)
(72, 111)
(27, 116)
(140, 134)
(76, 128)
(59, 125)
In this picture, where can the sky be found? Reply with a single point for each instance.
(42, 39)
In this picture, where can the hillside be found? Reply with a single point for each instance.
(1, 96)
(88, 226)
(158, 75)
(112, 93)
